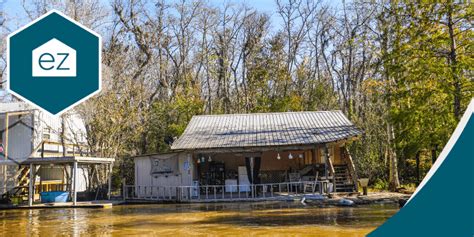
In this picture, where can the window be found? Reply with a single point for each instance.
(47, 134)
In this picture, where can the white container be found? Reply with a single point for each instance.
(231, 185)
(244, 183)
(195, 189)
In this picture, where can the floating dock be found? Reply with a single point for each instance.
(107, 204)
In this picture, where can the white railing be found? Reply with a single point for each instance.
(266, 191)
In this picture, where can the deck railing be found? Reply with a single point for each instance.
(205, 193)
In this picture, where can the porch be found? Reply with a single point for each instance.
(328, 163)
(271, 173)
(251, 156)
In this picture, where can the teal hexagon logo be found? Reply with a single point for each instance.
(54, 63)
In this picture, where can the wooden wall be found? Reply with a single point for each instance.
(270, 162)
(232, 161)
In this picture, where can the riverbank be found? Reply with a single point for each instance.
(382, 197)
(375, 197)
(317, 200)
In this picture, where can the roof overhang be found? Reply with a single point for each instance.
(257, 149)
(164, 154)
(67, 160)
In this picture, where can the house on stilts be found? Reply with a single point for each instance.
(260, 156)
(41, 154)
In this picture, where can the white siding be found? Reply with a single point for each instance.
(51, 173)
(56, 173)
(25, 137)
(47, 125)
(82, 179)
(19, 136)
(144, 178)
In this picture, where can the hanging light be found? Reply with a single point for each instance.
(301, 156)
(278, 156)
(203, 159)
(290, 156)
(209, 159)
(199, 161)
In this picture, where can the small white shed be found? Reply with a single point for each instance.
(166, 170)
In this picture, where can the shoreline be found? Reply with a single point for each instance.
(333, 200)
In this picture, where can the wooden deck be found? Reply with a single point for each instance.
(93, 204)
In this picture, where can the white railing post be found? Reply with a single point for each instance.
(185, 193)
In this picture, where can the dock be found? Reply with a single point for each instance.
(93, 204)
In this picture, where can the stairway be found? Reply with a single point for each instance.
(21, 184)
(343, 179)
(23, 174)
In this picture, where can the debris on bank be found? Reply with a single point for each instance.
(357, 199)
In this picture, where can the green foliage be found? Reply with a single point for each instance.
(169, 119)
(400, 70)
(380, 184)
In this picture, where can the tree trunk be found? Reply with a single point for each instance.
(63, 135)
(453, 64)
(417, 167)
(394, 182)
(433, 154)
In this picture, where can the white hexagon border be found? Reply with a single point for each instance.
(28, 25)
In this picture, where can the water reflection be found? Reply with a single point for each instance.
(280, 218)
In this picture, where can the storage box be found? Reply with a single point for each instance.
(56, 196)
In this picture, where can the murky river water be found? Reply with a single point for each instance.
(272, 218)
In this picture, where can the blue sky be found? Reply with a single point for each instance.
(18, 18)
(14, 10)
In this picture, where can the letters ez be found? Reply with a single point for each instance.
(54, 59)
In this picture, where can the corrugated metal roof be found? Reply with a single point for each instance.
(265, 129)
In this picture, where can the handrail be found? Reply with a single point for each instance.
(220, 192)
(333, 173)
(352, 169)
(66, 145)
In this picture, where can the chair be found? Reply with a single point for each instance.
(311, 185)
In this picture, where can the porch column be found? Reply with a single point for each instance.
(74, 180)
(314, 156)
(5, 153)
(326, 159)
(31, 186)
(253, 181)
(109, 180)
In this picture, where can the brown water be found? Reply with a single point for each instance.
(270, 218)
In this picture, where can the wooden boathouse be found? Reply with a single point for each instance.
(251, 156)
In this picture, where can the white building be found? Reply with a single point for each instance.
(27, 132)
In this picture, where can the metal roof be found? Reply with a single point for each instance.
(67, 160)
(265, 129)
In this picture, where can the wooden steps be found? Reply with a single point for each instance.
(343, 179)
